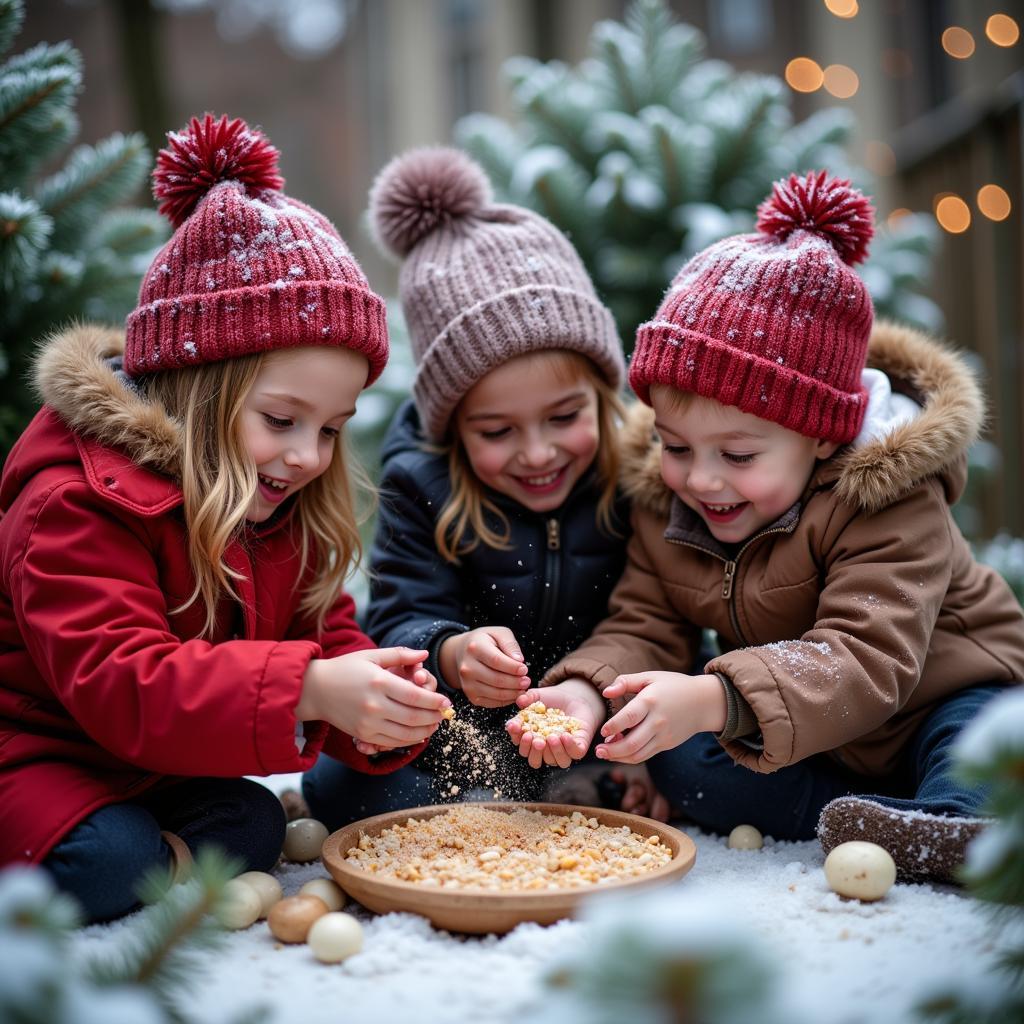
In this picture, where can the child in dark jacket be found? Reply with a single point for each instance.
(501, 530)
(798, 503)
(176, 526)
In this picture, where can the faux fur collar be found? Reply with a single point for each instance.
(74, 376)
(878, 473)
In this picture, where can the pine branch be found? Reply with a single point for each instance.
(12, 14)
(92, 179)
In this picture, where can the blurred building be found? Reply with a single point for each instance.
(937, 87)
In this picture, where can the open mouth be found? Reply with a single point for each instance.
(543, 483)
(723, 513)
(271, 489)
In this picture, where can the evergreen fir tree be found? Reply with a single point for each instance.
(646, 153)
(141, 983)
(65, 253)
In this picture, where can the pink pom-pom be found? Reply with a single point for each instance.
(421, 190)
(825, 206)
(208, 152)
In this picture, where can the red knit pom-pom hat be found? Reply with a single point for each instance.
(775, 323)
(247, 269)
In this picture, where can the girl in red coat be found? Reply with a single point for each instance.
(176, 526)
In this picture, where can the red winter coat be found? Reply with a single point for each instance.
(104, 693)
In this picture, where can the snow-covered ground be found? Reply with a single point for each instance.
(841, 962)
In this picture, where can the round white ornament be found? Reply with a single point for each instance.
(745, 837)
(328, 890)
(267, 887)
(303, 838)
(859, 870)
(239, 905)
(335, 937)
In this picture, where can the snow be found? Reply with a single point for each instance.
(829, 958)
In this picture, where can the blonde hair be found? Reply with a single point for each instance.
(465, 511)
(219, 481)
(675, 400)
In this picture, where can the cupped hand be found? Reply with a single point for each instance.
(576, 697)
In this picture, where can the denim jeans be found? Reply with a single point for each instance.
(337, 795)
(702, 782)
(102, 860)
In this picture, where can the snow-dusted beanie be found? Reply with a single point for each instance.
(248, 269)
(774, 323)
(481, 282)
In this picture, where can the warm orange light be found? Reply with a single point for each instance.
(804, 74)
(958, 42)
(953, 214)
(879, 157)
(993, 202)
(897, 215)
(841, 81)
(897, 63)
(842, 8)
(1002, 30)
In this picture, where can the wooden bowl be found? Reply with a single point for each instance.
(478, 912)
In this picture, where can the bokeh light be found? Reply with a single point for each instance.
(804, 74)
(1002, 30)
(897, 215)
(958, 42)
(842, 8)
(952, 213)
(841, 81)
(993, 202)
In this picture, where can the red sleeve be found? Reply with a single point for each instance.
(89, 606)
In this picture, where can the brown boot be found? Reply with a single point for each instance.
(181, 857)
(924, 846)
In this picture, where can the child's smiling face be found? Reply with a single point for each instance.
(291, 418)
(530, 433)
(737, 472)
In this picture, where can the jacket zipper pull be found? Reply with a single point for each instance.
(554, 542)
(730, 571)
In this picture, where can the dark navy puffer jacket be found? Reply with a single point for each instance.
(550, 587)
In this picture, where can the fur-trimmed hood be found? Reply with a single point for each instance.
(877, 473)
(75, 376)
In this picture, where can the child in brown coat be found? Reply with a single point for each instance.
(797, 503)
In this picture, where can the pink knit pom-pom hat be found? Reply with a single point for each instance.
(481, 282)
(247, 269)
(775, 323)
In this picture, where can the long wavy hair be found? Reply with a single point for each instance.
(462, 524)
(219, 481)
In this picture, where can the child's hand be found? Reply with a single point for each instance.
(381, 697)
(576, 697)
(486, 664)
(421, 677)
(639, 793)
(669, 708)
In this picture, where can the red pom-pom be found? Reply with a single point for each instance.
(208, 152)
(825, 206)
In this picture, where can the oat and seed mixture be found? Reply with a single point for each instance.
(544, 721)
(472, 847)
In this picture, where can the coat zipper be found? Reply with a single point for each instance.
(552, 572)
(729, 574)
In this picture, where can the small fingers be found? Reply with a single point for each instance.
(497, 657)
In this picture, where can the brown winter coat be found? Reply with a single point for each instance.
(848, 618)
